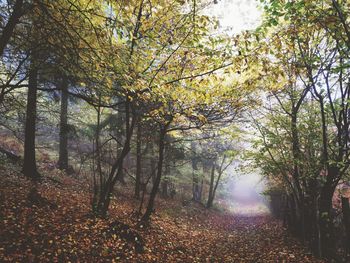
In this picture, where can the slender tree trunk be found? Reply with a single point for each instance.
(327, 191)
(153, 163)
(121, 132)
(117, 168)
(205, 167)
(29, 164)
(161, 146)
(216, 186)
(300, 202)
(211, 186)
(11, 24)
(63, 151)
(318, 228)
(220, 172)
(98, 144)
(195, 179)
(165, 182)
(138, 160)
(105, 197)
(196, 189)
(98, 187)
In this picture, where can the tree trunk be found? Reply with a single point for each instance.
(346, 221)
(117, 168)
(108, 186)
(138, 161)
(300, 202)
(29, 164)
(211, 186)
(293, 213)
(63, 151)
(10, 26)
(195, 179)
(196, 188)
(202, 181)
(153, 163)
(221, 171)
(318, 230)
(326, 221)
(165, 182)
(97, 143)
(161, 144)
(327, 191)
(98, 187)
(121, 132)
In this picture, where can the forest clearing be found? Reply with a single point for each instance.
(175, 131)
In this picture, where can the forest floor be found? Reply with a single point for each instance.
(55, 226)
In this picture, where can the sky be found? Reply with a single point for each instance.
(236, 15)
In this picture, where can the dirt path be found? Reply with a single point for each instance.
(258, 239)
(215, 237)
(64, 232)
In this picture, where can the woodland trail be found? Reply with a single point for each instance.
(258, 238)
(60, 230)
(209, 236)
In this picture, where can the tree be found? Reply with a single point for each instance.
(29, 164)
(226, 160)
(173, 57)
(13, 20)
(43, 20)
(63, 152)
(316, 43)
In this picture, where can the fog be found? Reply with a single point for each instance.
(244, 193)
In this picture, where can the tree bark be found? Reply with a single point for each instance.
(98, 187)
(161, 146)
(63, 151)
(121, 132)
(195, 180)
(216, 185)
(138, 160)
(211, 186)
(29, 163)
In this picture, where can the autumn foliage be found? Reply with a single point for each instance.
(58, 226)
